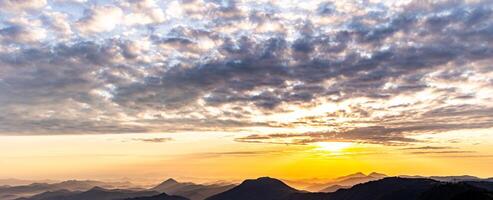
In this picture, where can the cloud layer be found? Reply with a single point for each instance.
(378, 72)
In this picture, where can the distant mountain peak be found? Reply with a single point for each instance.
(355, 175)
(170, 180)
(377, 175)
(166, 185)
(97, 188)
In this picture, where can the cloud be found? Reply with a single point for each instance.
(428, 148)
(100, 19)
(366, 72)
(377, 135)
(442, 152)
(58, 22)
(154, 140)
(21, 34)
(16, 6)
(143, 12)
(206, 155)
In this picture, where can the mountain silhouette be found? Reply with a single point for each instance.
(386, 189)
(395, 188)
(96, 193)
(264, 188)
(9, 193)
(48, 195)
(334, 188)
(166, 185)
(481, 184)
(162, 196)
(191, 190)
(456, 191)
(345, 182)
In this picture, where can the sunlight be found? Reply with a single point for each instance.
(333, 146)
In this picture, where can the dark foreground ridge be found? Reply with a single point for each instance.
(265, 188)
(392, 188)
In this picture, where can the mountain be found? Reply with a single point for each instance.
(47, 195)
(264, 188)
(481, 184)
(386, 189)
(16, 182)
(334, 188)
(96, 193)
(393, 188)
(355, 175)
(345, 181)
(455, 178)
(191, 190)
(167, 185)
(390, 188)
(162, 196)
(456, 191)
(9, 193)
(377, 175)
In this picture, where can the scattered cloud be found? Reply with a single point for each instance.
(375, 72)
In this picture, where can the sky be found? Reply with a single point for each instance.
(225, 90)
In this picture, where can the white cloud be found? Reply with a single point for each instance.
(143, 12)
(100, 19)
(20, 5)
(58, 22)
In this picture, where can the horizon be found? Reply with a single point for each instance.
(228, 90)
(295, 183)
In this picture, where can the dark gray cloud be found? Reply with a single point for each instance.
(395, 72)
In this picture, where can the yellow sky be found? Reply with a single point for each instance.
(216, 156)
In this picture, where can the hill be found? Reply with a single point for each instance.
(162, 196)
(191, 190)
(96, 193)
(264, 188)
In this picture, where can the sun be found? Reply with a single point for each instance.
(332, 146)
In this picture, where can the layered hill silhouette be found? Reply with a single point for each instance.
(391, 188)
(162, 196)
(96, 193)
(344, 182)
(8, 193)
(265, 188)
(191, 191)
